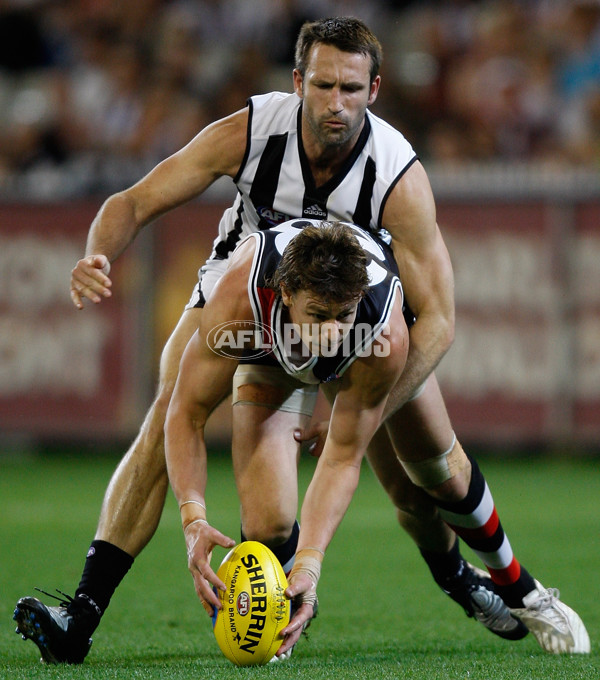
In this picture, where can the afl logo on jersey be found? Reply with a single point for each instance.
(270, 216)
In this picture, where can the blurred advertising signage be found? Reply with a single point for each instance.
(525, 364)
(62, 371)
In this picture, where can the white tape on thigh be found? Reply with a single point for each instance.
(288, 394)
(434, 471)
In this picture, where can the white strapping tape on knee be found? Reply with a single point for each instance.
(432, 471)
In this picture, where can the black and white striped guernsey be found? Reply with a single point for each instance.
(275, 183)
(373, 314)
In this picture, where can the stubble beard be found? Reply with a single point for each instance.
(332, 139)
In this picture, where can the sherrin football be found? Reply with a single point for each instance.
(255, 610)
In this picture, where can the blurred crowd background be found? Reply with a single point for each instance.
(93, 93)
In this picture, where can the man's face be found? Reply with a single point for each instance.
(336, 90)
(321, 325)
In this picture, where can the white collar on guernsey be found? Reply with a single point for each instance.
(302, 372)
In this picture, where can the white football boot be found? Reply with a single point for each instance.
(556, 627)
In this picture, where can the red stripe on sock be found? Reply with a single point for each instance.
(507, 576)
(485, 531)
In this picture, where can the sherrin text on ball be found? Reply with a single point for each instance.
(255, 609)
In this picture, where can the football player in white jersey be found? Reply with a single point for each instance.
(416, 455)
(310, 289)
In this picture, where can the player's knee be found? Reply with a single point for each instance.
(410, 512)
(164, 392)
(445, 476)
(413, 501)
(148, 449)
(271, 532)
(169, 369)
(402, 492)
(162, 400)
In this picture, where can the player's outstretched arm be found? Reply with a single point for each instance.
(358, 405)
(204, 380)
(216, 151)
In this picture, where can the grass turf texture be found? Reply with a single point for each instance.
(381, 615)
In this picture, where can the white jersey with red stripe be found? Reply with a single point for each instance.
(373, 314)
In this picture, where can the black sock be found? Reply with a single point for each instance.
(285, 551)
(105, 567)
(514, 593)
(443, 566)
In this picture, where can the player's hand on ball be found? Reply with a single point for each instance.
(292, 632)
(89, 279)
(316, 431)
(200, 539)
(302, 590)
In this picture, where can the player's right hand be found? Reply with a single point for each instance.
(200, 539)
(89, 279)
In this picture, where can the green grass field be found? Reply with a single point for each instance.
(381, 615)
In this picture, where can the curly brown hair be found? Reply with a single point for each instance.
(327, 260)
(347, 34)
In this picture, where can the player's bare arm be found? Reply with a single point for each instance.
(216, 151)
(187, 457)
(358, 399)
(204, 380)
(358, 405)
(427, 278)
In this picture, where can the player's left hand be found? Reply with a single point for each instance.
(200, 539)
(300, 586)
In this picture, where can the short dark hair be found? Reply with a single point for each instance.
(327, 260)
(347, 34)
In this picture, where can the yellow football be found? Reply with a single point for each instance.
(255, 610)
